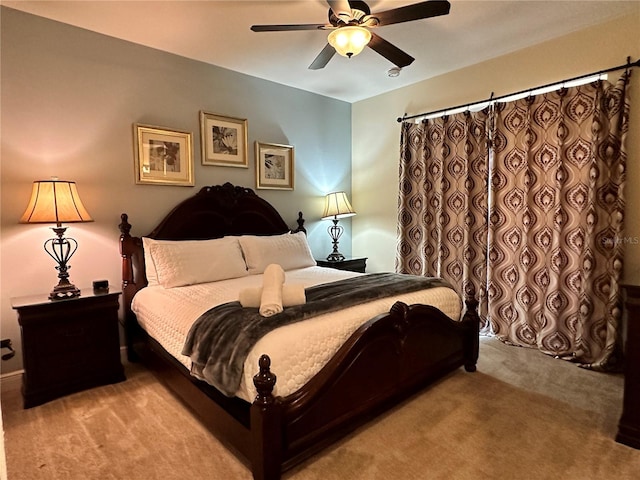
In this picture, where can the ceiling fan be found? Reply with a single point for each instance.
(350, 21)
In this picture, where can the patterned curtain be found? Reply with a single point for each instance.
(442, 216)
(556, 221)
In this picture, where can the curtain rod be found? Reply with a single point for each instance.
(493, 99)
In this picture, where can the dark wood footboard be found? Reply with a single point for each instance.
(384, 362)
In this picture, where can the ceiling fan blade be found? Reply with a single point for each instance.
(283, 28)
(417, 11)
(341, 9)
(389, 51)
(323, 58)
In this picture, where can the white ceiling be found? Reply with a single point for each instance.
(217, 32)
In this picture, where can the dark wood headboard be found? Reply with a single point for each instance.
(214, 212)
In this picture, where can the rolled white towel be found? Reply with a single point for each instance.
(292, 294)
(271, 298)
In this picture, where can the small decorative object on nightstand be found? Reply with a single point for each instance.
(350, 264)
(68, 345)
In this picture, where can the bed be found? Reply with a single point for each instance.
(383, 361)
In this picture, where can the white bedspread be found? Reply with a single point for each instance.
(297, 351)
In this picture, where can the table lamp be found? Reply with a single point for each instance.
(57, 201)
(336, 206)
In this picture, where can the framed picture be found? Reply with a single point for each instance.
(163, 157)
(274, 166)
(224, 140)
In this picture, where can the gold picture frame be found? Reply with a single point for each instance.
(223, 140)
(275, 166)
(163, 156)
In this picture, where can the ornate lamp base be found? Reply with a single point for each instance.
(61, 249)
(335, 231)
(335, 257)
(64, 290)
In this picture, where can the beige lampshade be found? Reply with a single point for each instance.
(336, 205)
(349, 41)
(55, 201)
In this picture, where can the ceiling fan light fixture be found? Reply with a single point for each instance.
(349, 41)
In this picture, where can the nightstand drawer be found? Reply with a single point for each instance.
(67, 368)
(70, 336)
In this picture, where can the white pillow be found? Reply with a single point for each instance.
(149, 267)
(289, 250)
(180, 263)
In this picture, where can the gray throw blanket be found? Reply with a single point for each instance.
(220, 340)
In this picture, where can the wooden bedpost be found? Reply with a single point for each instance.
(129, 288)
(266, 426)
(127, 269)
(472, 319)
(300, 222)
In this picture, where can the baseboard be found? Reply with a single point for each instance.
(11, 380)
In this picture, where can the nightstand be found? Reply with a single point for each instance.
(68, 345)
(350, 264)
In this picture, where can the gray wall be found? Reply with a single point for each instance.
(69, 100)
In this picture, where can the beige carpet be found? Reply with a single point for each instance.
(521, 416)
